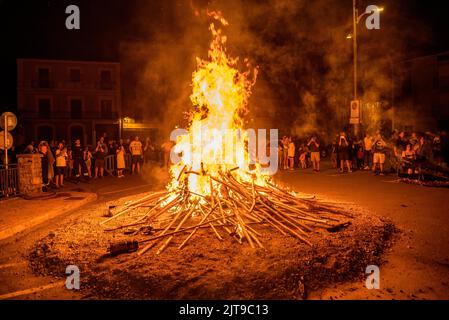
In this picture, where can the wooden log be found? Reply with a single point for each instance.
(196, 229)
(159, 236)
(289, 229)
(186, 216)
(129, 208)
(212, 226)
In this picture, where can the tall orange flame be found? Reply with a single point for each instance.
(214, 144)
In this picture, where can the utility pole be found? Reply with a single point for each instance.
(355, 15)
(6, 144)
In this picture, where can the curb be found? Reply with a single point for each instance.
(39, 219)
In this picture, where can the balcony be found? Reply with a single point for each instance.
(106, 85)
(113, 116)
(77, 86)
(43, 84)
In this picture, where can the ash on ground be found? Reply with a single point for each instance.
(211, 269)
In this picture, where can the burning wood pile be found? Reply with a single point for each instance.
(237, 209)
(215, 185)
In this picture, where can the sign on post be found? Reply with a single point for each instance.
(9, 119)
(355, 112)
(8, 122)
(9, 140)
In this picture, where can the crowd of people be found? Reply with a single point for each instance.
(62, 160)
(401, 151)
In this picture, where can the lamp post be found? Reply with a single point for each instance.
(6, 143)
(354, 43)
(356, 18)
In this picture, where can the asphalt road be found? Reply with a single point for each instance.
(417, 267)
(16, 279)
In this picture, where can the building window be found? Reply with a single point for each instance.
(43, 78)
(45, 133)
(105, 79)
(44, 108)
(75, 75)
(76, 108)
(106, 109)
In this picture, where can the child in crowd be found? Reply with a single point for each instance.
(302, 157)
(120, 161)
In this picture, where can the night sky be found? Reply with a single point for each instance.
(36, 29)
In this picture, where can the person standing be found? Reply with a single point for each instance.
(126, 145)
(78, 159)
(280, 153)
(61, 164)
(314, 146)
(424, 152)
(120, 161)
(51, 163)
(100, 153)
(291, 154)
(87, 156)
(43, 150)
(368, 148)
(400, 145)
(343, 152)
(70, 164)
(136, 149)
(285, 153)
(166, 149)
(302, 157)
(149, 150)
(379, 154)
(360, 158)
(103, 146)
(112, 148)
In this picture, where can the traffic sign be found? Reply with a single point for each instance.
(9, 140)
(11, 121)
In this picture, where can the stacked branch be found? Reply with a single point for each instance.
(239, 209)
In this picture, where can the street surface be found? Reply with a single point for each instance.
(416, 267)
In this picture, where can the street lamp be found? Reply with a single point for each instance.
(356, 18)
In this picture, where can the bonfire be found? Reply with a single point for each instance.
(230, 196)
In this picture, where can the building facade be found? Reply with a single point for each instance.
(423, 99)
(69, 100)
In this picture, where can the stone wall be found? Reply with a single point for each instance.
(30, 173)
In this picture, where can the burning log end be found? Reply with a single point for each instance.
(108, 213)
(203, 171)
(236, 236)
(115, 249)
(182, 171)
(339, 227)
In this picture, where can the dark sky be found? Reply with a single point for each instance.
(36, 28)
